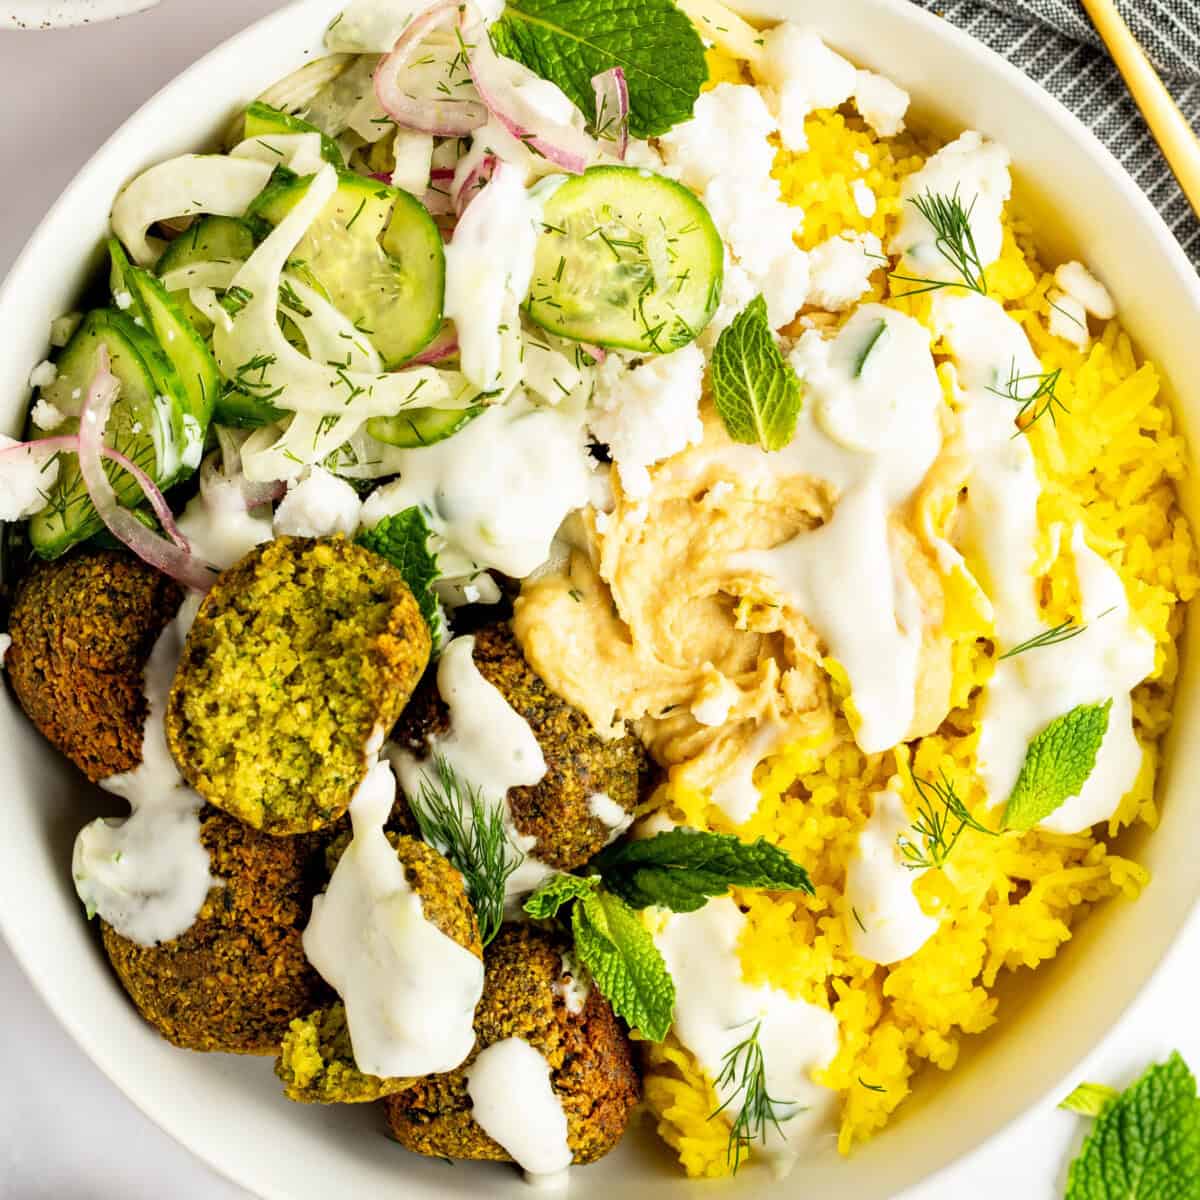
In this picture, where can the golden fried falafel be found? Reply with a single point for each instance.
(302, 653)
(316, 1062)
(591, 1060)
(82, 628)
(238, 976)
(579, 763)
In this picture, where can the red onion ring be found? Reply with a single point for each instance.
(443, 346)
(173, 557)
(597, 353)
(433, 114)
(563, 145)
(476, 179)
(612, 104)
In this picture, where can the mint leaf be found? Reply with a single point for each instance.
(753, 385)
(403, 540)
(682, 868)
(1146, 1144)
(1057, 765)
(1089, 1099)
(570, 41)
(558, 890)
(614, 945)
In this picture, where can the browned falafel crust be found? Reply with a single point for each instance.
(82, 628)
(316, 1063)
(236, 978)
(579, 763)
(591, 1060)
(300, 653)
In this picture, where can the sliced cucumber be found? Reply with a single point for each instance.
(263, 120)
(164, 318)
(150, 423)
(627, 259)
(211, 239)
(377, 255)
(422, 426)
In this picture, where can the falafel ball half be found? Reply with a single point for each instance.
(591, 1060)
(580, 764)
(238, 976)
(82, 628)
(316, 1062)
(305, 650)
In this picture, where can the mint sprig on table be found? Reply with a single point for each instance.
(755, 389)
(403, 539)
(1145, 1144)
(680, 870)
(1057, 765)
(569, 42)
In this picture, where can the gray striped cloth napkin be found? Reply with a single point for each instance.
(1054, 43)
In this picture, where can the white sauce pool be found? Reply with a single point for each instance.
(715, 1011)
(148, 874)
(515, 1103)
(410, 991)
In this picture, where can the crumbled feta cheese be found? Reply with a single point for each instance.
(47, 416)
(1068, 319)
(1080, 284)
(841, 270)
(24, 482)
(803, 75)
(864, 198)
(62, 328)
(727, 133)
(862, 159)
(123, 300)
(5, 645)
(880, 103)
(319, 505)
(977, 172)
(652, 413)
(642, 154)
(43, 375)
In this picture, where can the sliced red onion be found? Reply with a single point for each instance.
(249, 494)
(612, 109)
(476, 179)
(430, 114)
(442, 173)
(381, 177)
(597, 353)
(495, 80)
(173, 557)
(444, 346)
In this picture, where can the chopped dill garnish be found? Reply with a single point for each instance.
(744, 1069)
(455, 819)
(1043, 398)
(858, 920)
(1051, 637)
(955, 241)
(235, 299)
(941, 818)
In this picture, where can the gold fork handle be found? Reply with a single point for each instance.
(1176, 138)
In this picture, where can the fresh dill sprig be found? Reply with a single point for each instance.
(955, 241)
(744, 1069)
(1051, 637)
(1043, 398)
(941, 818)
(455, 819)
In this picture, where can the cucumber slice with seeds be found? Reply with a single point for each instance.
(376, 253)
(627, 259)
(421, 426)
(262, 120)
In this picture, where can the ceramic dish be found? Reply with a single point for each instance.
(226, 1109)
(37, 14)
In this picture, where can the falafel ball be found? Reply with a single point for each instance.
(579, 763)
(238, 976)
(82, 628)
(304, 651)
(316, 1062)
(591, 1060)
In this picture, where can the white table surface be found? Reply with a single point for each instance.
(65, 1132)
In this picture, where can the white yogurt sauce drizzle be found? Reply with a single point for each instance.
(870, 428)
(498, 491)
(148, 874)
(888, 924)
(715, 1011)
(489, 746)
(410, 991)
(515, 1103)
(609, 813)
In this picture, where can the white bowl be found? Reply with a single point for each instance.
(229, 1110)
(36, 15)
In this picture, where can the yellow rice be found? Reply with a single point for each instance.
(1009, 902)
